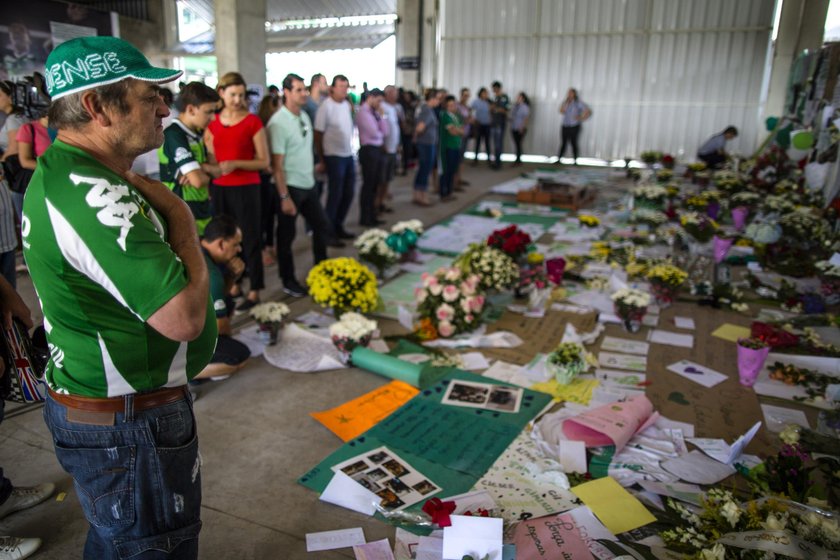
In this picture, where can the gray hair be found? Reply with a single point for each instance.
(68, 112)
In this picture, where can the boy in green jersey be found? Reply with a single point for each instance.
(184, 163)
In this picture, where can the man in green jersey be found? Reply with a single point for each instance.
(184, 166)
(115, 260)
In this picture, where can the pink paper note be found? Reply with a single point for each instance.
(554, 536)
(611, 424)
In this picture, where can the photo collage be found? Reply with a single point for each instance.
(500, 398)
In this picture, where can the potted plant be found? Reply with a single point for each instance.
(566, 362)
(343, 284)
(351, 331)
(373, 248)
(630, 306)
(665, 280)
(269, 316)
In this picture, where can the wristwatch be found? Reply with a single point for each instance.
(284, 196)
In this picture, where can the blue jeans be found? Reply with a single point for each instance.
(451, 159)
(498, 132)
(341, 173)
(138, 480)
(427, 159)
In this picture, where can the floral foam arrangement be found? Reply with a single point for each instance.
(496, 270)
(449, 303)
(351, 331)
(343, 284)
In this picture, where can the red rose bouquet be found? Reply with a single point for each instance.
(511, 240)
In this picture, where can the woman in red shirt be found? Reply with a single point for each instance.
(237, 140)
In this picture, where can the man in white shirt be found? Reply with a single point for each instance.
(333, 144)
(392, 113)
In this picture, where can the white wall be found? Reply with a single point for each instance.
(658, 74)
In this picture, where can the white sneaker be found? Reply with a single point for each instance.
(25, 497)
(15, 548)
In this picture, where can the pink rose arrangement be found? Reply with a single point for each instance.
(450, 302)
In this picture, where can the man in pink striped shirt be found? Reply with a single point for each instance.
(373, 128)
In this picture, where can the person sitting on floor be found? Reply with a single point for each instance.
(221, 245)
(713, 152)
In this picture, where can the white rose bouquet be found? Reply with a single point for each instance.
(373, 248)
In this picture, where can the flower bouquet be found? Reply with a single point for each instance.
(739, 217)
(351, 331)
(652, 218)
(630, 305)
(665, 280)
(752, 352)
(449, 303)
(649, 196)
(829, 275)
(727, 180)
(664, 175)
(495, 269)
(269, 316)
(512, 240)
(404, 237)
(699, 226)
(566, 362)
(343, 284)
(533, 275)
(650, 157)
(589, 221)
(693, 168)
(721, 246)
(373, 248)
(667, 161)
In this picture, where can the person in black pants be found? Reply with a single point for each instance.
(372, 131)
(574, 113)
(519, 117)
(480, 109)
(292, 161)
(499, 110)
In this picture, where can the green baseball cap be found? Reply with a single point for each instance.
(88, 62)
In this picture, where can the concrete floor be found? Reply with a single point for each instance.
(255, 432)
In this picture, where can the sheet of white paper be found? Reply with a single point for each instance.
(777, 418)
(671, 338)
(414, 358)
(623, 379)
(699, 374)
(685, 492)
(430, 548)
(498, 339)
(684, 323)
(509, 373)
(251, 337)
(625, 346)
(302, 351)
(572, 455)
(315, 319)
(330, 540)
(474, 361)
(405, 317)
(406, 544)
(698, 468)
(345, 492)
(379, 345)
(719, 450)
(474, 536)
(668, 424)
(569, 308)
(374, 550)
(622, 361)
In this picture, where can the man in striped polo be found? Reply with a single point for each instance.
(116, 263)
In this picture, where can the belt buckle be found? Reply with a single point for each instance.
(90, 418)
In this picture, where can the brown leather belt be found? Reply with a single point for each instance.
(142, 401)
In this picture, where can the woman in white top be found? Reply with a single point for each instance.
(13, 121)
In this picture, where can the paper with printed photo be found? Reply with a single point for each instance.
(693, 371)
(489, 396)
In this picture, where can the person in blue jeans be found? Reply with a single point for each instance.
(13, 498)
(425, 138)
(499, 109)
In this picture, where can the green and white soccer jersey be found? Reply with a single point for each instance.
(101, 266)
(183, 151)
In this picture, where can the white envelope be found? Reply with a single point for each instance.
(345, 492)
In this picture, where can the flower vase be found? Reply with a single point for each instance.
(269, 332)
(750, 362)
(721, 248)
(663, 295)
(409, 256)
(739, 217)
(346, 345)
(565, 373)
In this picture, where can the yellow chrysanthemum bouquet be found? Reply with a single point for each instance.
(343, 284)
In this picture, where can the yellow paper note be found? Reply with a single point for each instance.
(355, 417)
(617, 508)
(578, 391)
(730, 332)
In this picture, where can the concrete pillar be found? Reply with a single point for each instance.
(801, 27)
(416, 33)
(240, 38)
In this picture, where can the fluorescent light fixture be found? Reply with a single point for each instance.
(320, 23)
